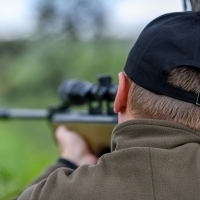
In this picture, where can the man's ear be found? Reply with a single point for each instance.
(122, 93)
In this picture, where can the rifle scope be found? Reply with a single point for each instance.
(78, 92)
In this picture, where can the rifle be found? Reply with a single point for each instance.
(95, 122)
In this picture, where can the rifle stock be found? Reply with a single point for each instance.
(95, 129)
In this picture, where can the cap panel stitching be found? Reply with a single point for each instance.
(134, 68)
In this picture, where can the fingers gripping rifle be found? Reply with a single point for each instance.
(95, 123)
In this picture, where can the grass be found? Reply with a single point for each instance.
(26, 149)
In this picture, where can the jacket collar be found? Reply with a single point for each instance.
(152, 134)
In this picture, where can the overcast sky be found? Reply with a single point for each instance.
(17, 17)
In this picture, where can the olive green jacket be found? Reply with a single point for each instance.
(150, 160)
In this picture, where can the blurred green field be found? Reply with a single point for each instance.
(26, 148)
(31, 72)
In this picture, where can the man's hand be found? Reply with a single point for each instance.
(73, 147)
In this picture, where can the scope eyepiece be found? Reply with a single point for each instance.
(74, 92)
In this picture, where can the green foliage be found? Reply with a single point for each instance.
(45, 63)
(30, 75)
(26, 148)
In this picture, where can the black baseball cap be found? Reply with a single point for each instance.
(169, 41)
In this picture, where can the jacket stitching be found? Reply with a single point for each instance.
(152, 174)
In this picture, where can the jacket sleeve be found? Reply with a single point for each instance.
(48, 171)
(44, 175)
(42, 190)
(61, 163)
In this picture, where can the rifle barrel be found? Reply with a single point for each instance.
(73, 117)
(16, 113)
(59, 117)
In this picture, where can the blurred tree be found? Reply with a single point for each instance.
(77, 19)
(195, 4)
(185, 4)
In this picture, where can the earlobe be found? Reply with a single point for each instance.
(122, 93)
